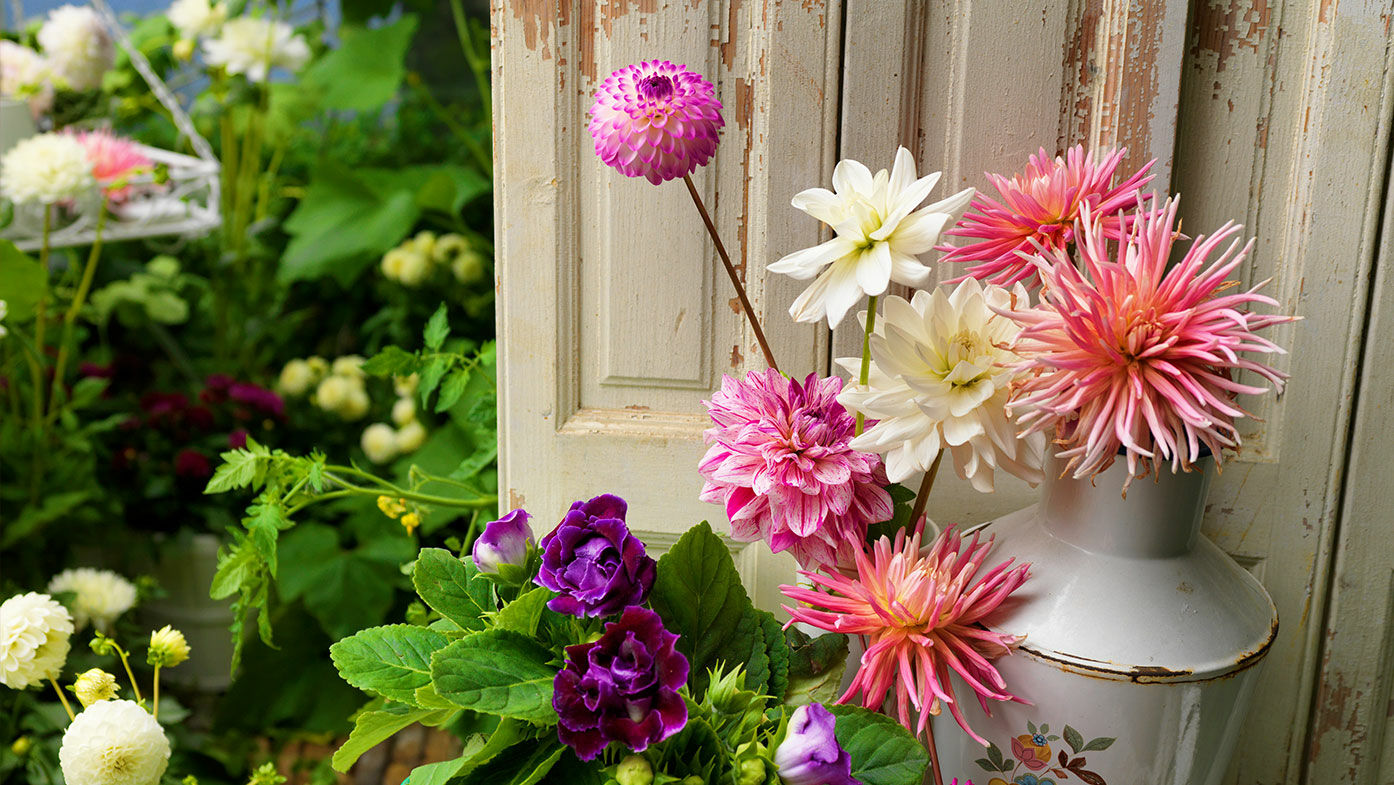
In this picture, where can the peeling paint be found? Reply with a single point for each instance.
(736, 357)
(540, 19)
(1225, 28)
(516, 500)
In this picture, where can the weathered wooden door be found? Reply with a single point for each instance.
(615, 322)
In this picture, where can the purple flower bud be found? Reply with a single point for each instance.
(809, 754)
(622, 687)
(504, 541)
(597, 567)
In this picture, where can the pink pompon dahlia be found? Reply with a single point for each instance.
(921, 615)
(1130, 356)
(781, 463)
(115, 161)
(656, 120)
(1039, 207)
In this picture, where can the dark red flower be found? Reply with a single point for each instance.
(192, 463)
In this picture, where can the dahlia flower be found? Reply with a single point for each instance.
(100, 596)
(1129, 355)
(168, 647)
(410, 437)
(879, 236)
(940, 378)
(115, 160)
(77, 46)
(47, 169)
(95, 685)
(656, 120)
(34, 631)
(252, 46)
(921, 615)
(25, 75)
(195, 18)
(379, 442)
(1039, 206)
(114, 743)
(781, 462)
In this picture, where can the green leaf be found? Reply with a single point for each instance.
(497, 672)
(430, 377)
(391, 361)
(264, 525)
(699, 595)
(345, 221)
(1101, 743)
(902, 504)
(391, 661)
(1074, 739)
(453, 587)
(521, 764)
(453, 388)
(522, 615)
(238, 470)
(883, 753)
(437, 329)
(366, 70)
(371, 728)
(235, 565)
(23, 283)
(995, 755)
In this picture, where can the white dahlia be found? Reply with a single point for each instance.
(77, 45)
(940, 379)
(252, 46)
(879, 236)
(114, 743)
(34, 632)
(100, 595)
(195, 18)
(47, 168)
(25, 75)
(379, 442)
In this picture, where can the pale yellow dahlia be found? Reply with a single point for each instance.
(100, 596)
(114, 743)
(34, 631)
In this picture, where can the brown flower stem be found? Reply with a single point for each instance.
(933, 752)
(731, 271)
(865, 376)
(926, 485)
(66, 706)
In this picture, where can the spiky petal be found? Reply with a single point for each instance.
(922, 616)
(1131, 356)
(781, 463)
(656, 120)
(115, 160)
(1039, 207)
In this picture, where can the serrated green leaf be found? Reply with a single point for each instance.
(453, 388)
(366, 70)
(391, 361)
(430, 378)
(238, 470)
(521, 764)
(264, 525)
(391, 661)
(497, 672)
(371, 728)
(883, 753)
(235, 564)
(437, 329)
(522, 615)
(428, 698)
(453, 588)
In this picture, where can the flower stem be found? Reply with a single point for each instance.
(64, 699)
(731, 271)
(926, 485)
(865, 375)
(120, 652)
(933, 753)
(155, 707)
(74, 308)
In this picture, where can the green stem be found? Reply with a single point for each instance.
(40, 318)
(70, 318)
(126, 663)
(64, 699)
(865, 374)
(478, 66)
(388, 489)
(155, 708)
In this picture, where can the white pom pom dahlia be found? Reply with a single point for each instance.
(34, 632)
(252, 46)
(194, 18)
(77, 46)
(25, 75)
(114, 743)
(101, 595)
(46, 169)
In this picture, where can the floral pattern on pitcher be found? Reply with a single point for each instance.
(1033, 750)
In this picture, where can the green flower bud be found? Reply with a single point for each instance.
(21, 746)
(750, 772)
(693, 780)
(634, 770)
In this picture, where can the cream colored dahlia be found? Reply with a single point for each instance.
(78, 47)
(93, 686)
(379, 442)
(34, 631)
(940, 379)
(25, 75)
(168, 647)
(47, 168)
(114, 743)
(195, 18)
(252, 46)
(101, 595)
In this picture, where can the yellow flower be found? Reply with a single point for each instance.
(94, 685)
(411, 520)
(167, 647)
(390, 507)
(296, 378)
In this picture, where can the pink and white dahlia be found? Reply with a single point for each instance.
(115, 161)
(1039, 207)
(781, 463)
(1130, 356)
(656, 120)
(922, 616)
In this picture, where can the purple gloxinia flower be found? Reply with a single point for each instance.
(504, 541)
(593, 562)
(809, 754)
(622, 687)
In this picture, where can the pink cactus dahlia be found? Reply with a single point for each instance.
(1130, 356)
(656, 120)
(1040, 206)
(115, 160)
(781, 464)
(921, 615)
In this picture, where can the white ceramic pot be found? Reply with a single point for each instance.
(1142, 639)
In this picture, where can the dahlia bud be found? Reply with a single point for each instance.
(94, 685)
(379, 442)
(403, 411)
(504, 541)
(167, 647)
(296, 377)
(410, 437)
(634, 770)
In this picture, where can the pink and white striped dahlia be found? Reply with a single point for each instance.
(1129, 355)
(656, 120)
(781, 463)
(115, 160)
(922, 616)
(1039, 206)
